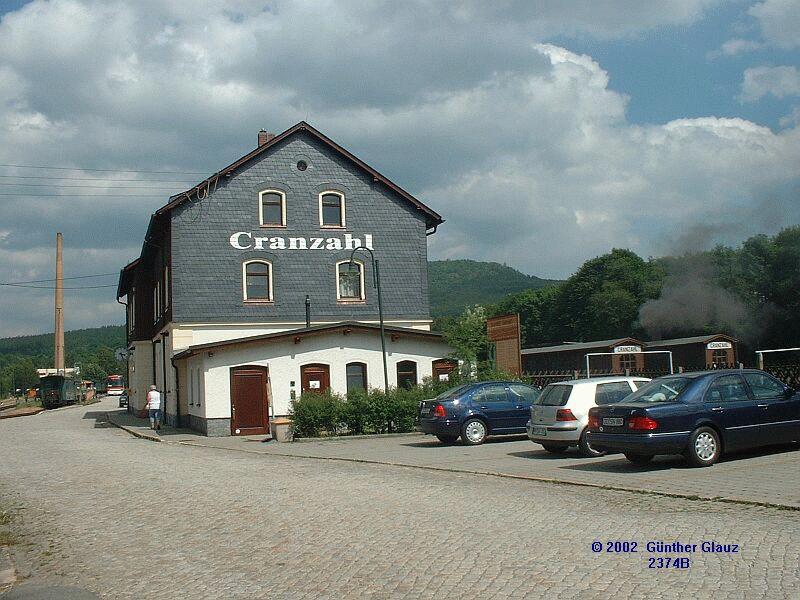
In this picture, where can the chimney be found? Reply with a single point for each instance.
(59, 332)
(264, 136)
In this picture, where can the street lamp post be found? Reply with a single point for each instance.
(376, 283)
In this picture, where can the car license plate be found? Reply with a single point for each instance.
(612, 421)
(542, 431)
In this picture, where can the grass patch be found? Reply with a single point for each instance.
(7, 538)
(5, 517)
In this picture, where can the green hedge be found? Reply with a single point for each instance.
(368, 412)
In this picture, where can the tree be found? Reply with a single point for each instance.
(467, 337)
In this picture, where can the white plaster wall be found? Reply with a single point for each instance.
(140, 373)
(195, 376)
(185, 335)
(284, 359)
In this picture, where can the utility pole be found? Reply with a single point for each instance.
(59, 331)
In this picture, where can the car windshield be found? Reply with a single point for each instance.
(660, 390)
(452, 392)
(554, 395)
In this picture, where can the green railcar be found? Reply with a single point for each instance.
(57, 390)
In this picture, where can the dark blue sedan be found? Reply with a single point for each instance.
(476, 410)
(700, 415)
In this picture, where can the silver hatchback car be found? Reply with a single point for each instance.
(559, 416)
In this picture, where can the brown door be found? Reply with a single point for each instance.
(249, 401)
(315, 378)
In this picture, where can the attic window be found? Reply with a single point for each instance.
(302, 165)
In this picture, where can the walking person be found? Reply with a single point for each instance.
(154, 407)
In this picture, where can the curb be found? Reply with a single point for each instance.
(25, 414)
(550, 480)
(373, 436)
(139, 434)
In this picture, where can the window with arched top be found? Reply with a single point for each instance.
(406, 374)
(350, 281)
(257, 281)
(272, 208)
(331, 209)
(356, 376)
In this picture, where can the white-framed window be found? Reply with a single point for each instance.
(166, 286)
(157, 301)
(132, 311)
(350, 281)
(272, 208)
(257, 281)
(331, 209)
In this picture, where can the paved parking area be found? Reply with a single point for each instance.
(769, 475)
(121, 517)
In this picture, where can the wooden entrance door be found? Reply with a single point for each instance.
(315, 378)
(249, 401)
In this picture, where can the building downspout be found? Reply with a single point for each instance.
(154, 360)
(127, 356)
(177, 388)
(164, 373)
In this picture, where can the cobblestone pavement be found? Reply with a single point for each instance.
(767, 475)
(126, 518)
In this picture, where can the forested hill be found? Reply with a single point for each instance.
(455, 284)
(83, 346)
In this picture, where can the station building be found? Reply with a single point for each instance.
(244, 294)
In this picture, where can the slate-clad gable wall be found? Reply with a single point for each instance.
(207, 270)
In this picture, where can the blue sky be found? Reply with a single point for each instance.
(657, 126)
(678, 72)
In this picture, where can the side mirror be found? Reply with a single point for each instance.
(788, 393)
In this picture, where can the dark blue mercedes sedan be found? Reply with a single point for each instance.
(476, 410)
(700, 415)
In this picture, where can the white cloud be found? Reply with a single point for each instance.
(779, 21)
(522, 146)
(734, 47)
(780, 82)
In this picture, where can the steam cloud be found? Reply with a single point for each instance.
(692, 303)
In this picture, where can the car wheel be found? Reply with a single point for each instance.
(586, 450)
(474, 432)
(704, 447)
(639, 459)
(447, 439)
(554, 449)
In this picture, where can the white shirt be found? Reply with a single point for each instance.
(153, 400)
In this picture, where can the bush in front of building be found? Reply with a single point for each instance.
(314, 413)
(372, 411)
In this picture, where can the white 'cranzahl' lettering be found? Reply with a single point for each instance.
(242, 240)
(235, 240)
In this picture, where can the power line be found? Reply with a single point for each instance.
(86, 195)
(52, 287)
(105, 170)
(97, 178)
(65, 278)
(68, 185)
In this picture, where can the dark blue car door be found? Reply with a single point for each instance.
(522, 396)
(728, 404)
(492, 401)
(781, 421)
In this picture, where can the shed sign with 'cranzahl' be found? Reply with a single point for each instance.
(627, 349)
